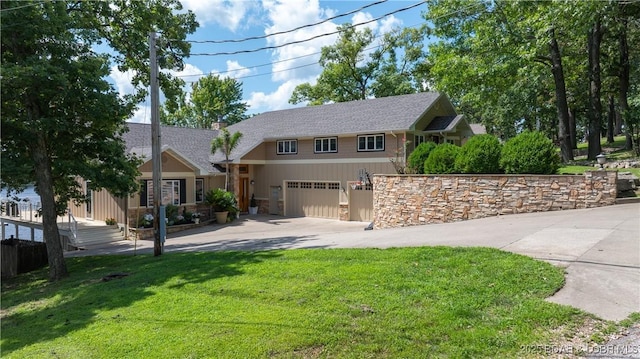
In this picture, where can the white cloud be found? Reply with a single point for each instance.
(278, 100)
(187, 73)
(227, 14)
(389, 24)
(142, 114)
(364, 17)
(289, 14)
(122, 80)
(235, 70)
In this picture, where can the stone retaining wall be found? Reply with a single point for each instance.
(407, 200)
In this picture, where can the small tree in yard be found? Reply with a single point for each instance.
(225, 143)
(481, 154)
(531, 153)
(442, 159)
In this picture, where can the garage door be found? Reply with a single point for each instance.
(312, 199)
(361, 203)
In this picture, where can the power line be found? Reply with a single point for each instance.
(286, 31)
(20, 7)
(297, 57)
(305, 40)
(277, 62)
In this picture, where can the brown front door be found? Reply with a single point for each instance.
(243, 195)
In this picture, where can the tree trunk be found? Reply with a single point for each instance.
(611, 119)
(572, 129)
(595, 106)
(624, 85)
(561, 99)
(44, 187)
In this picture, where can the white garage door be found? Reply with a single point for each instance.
(312, 199)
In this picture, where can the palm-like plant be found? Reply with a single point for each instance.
(225, 142)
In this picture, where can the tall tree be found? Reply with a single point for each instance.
(355, 69)
(212, 98)
(595, 85)
(60, 119)
(225, 143)
(564, 135)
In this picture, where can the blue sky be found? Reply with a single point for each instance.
(268, 87)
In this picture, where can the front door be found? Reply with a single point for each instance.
(243, 195)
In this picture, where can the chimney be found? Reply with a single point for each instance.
(217, 126)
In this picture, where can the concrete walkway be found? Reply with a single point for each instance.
(599, 247)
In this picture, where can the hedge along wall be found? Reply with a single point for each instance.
(408, 200)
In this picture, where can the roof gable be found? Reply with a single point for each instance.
(192, 145)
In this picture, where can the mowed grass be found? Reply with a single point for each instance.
(351, 303)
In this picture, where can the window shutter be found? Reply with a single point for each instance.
(143, 193)
(183, 191)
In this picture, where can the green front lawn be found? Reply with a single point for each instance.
(355, 303)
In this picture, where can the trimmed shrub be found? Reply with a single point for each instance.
(481, 154)
(530, 152)
(419, 155)
(442, 159)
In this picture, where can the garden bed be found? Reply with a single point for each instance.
(147, 233)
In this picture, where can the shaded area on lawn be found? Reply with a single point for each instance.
(75, 302)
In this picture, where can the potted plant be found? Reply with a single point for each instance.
(196, 217)
(253, 205)
(222, 202)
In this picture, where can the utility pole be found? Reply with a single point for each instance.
(156, 162)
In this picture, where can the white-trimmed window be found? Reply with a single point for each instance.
(371, 142)
(417, 140)
(170, 192)
(453, 142)
(287, 147)
(326, 145)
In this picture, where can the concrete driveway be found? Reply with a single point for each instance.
(599, 247)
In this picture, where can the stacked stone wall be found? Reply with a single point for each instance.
(407, 200)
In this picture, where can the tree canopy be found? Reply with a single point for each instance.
(355, 69)
(516, 65)
(212, 98)
(61, 120)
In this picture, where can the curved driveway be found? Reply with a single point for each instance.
(600, 247)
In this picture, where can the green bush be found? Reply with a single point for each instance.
(530, 153)
(419, 155)
(481, 154)
(442, 159)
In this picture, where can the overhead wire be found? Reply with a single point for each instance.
(302, 56)
(307, 39)
(286, 31)
(22, 6)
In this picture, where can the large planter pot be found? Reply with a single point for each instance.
(221, 217)
(253, 210)
(196, 220)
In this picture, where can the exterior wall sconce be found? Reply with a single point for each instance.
(602, 159)
(252, 182)
(279, 188)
